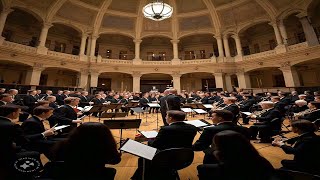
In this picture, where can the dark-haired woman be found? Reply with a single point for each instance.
(238, 159)
(86, 152)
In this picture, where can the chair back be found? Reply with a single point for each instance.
(276, 123)
(284, 174)
(174, 158)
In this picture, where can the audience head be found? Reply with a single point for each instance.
(235, 150)
(221, 116)
(303, 126)
(51, 99)
(13, 91)
(6, 98)
(266, 104)
(98, 137)
(43, 112)
(314, 105)
(60, 92)
(72, 101)
(32, 92)
(38, 91)
(43, 103)
(10, 111)
(301, 103)
(66, 92)
(97, 96)
(175, 116)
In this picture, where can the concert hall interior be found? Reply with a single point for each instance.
(155, 89)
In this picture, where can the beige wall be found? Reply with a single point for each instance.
(12, 74)
(61, 78)
(264, 78)
(310, 77)
(119, 81)
(193, 81)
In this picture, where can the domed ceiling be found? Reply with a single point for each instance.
(125, 16)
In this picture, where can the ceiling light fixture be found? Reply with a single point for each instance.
(157, 11)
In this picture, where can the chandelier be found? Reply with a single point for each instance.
(157, 11)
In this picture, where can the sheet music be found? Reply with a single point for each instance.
(87, 108)
(200, 111)
(149, 134)
(155, 105)
(139, 149)
(60, 127)
(247, 113)
(186, 110)
(196, 123)
(208, 106)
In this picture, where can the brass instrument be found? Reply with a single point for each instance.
(307, 111)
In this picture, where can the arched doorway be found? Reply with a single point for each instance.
(266, 77)
(59, 77)
(115, 81)
(309, 72)
(156, 49)
(154, 81)
(198, 81)
(64, 39)
(13, 72)
(23, 28)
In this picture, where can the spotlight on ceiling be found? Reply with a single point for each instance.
(157, 11)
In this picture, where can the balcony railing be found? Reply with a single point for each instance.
(156, 57)
(259, 55)
(116, 61)
(298, 46)
(196, 56)
(119, 56)
(19, 47)
(63, 55)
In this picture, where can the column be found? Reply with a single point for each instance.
(44, 34)
(308, 30)
(137, 48)
(93, 45)
(88, 46)
(283, 32)
(291, 76)
(228, 82)
(226, 46)
(83, 44)
(175, 48)
(238, 44)
(176, 82)
(83, 79)
(3, 17)
(94, 77)
(219, 80)
(33, 76)
(276, 32)
(243, 80)
(136, 81)
(220, 47)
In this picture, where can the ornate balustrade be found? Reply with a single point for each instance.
(259, 55)
(63, 55)
(19, 47)
(298, 46)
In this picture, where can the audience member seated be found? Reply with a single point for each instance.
(305, 150)
(264, 123)
(238, 159)
(223, 121)
(11, 138)
(85, 153)
(176, 135)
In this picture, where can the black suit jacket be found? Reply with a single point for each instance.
(269, 115)
(206, 137)
(29, 101)
(96, 101)
(33, 128)
(2, 103)
(60, 99)
(311, 116)
(84, 101)
(246, 105)
(173, 102)
(143, 102)
(306, 153)
(178, 134)
(65, 115)
(234, 109)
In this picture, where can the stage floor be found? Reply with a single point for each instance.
(128, 164)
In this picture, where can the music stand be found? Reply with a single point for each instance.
(95, 109)
(113, 115)
(137, 110)
(123, 124)
(131, 105)
(186, 110)
(154, 105)
(201, 111)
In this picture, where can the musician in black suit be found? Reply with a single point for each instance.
(60, 98)
(176, 135)
(124, 101)
(305, 150)
(11, 138)
(169, 102)
(314, 113)
(84, 100)
(245, 106)
(294, 96)
(205, 99)
(38, 94)
(34, 130)
(283, 99)
(280, 106)
(264, 125)
(232, 107)
(2, 90)
(143, 102)
(5, 99)
(30, 100)
(68, 114)
(223, 120)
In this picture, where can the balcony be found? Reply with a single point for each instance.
(127, 59)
